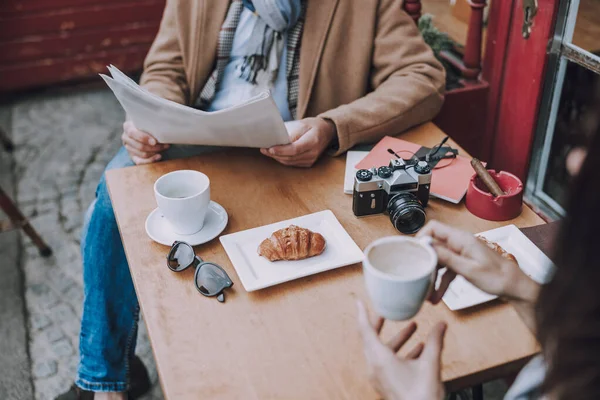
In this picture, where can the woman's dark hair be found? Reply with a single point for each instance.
(568, 309)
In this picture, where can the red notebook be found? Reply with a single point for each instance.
(449, 183)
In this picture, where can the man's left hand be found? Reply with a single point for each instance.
(310, 137)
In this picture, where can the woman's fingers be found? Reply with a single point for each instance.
(447, 279)
(402, 337)
(455, 262)
(435, 343)
(368, 330)
(368, 324)
(415, 352)
(377, 323)
(455, 239)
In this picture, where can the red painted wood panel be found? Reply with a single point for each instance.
(522, 87)
(149, 11)
(82, 67)
(463, 117)
(67, 45)
(11, 7)
(43, 42)
(493, 67)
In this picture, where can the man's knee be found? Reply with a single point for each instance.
(120, 160)
(102, 195)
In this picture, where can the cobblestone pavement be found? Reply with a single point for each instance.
(63, 142)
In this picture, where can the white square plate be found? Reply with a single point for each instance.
(257, 272)
(461, 294)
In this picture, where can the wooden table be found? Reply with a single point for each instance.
(297, 340)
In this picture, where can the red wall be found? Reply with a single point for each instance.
(51, 41)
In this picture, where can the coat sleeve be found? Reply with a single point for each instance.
(408, 84)
(164, 73)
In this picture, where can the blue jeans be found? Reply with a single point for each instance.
(110, 308)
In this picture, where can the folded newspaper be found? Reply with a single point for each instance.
(254, 123)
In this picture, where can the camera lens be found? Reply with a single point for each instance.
(406, 213)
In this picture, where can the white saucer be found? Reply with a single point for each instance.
(159, 229)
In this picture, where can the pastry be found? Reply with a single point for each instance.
(292, 243)
(498, 249)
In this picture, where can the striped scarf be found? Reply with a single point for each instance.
(225, 44)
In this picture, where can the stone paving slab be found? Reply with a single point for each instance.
(63, 142)
(15, 370)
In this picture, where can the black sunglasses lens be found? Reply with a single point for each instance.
(182, 256)
(211, 279)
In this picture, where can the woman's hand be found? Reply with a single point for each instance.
(464, 254)
(142, 147)
(310, 137)
(417, 376)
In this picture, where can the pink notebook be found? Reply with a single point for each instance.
(448, 183)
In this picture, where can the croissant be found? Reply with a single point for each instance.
(292, 243)
(498, 249)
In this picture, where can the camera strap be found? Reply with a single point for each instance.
(443, 153)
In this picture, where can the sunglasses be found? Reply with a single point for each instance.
(210, 279)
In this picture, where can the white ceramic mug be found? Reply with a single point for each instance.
(183, 198)
(399, 274)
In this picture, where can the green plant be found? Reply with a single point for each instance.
(439, 41)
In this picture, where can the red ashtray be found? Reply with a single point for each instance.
(482, 203)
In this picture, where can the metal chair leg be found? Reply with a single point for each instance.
(19, 221)
(5, 141)
(477, 392)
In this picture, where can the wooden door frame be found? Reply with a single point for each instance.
(515, 88)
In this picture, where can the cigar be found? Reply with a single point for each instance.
(486, 178)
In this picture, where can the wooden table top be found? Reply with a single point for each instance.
(296, 340)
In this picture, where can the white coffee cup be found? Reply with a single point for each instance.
(399, 274)
(183, 198)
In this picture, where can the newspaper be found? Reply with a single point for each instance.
(254, 123)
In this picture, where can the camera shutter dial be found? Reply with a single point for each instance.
(422, 167)
(384, 172)
(364, 175)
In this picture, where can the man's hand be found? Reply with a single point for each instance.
(142, 147)
(310, 137)
(417, 376)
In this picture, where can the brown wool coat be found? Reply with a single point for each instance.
(363, 64)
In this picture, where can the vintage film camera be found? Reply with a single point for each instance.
(401, 189)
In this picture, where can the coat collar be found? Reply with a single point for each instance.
(319, 14)
(317, 24)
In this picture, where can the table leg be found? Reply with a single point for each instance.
(477, 392)
(5, 141)
(19, 221)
